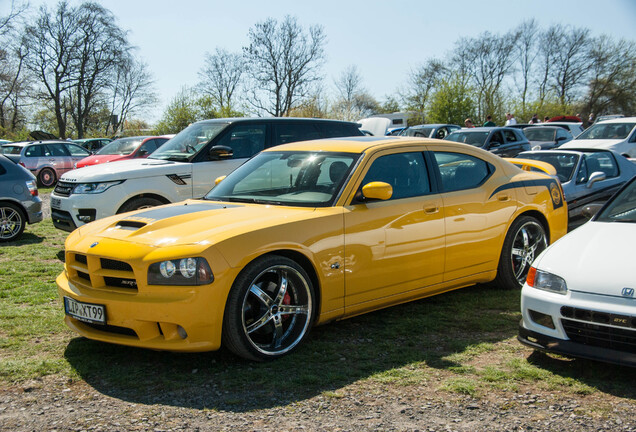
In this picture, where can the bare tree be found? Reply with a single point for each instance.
(569, 61)
(284, 60)
(527, 51)
(7, 21)
(350, 89)
(422, 83)
(612, 69)
(488, 60)
(131, 90)
(102, 46)
(221, 77)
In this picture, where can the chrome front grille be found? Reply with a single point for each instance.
(63, 188)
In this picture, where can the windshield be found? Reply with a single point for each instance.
(189, 141)
(418, 132)
(564, 163)
(622, 208)
(607, 131)
(539, 134)
(122, 146)
(307, 179)
(476, 139)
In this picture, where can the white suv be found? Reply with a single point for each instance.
(184, 167)
(617, 134)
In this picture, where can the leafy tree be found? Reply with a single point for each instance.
(422, 83)
(452, 102)
(283, 61)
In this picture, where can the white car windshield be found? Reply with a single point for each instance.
(307, 179)
(189, 141)
(607, 131)
(622, 208)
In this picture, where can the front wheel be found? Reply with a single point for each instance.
(269, 310)
(139, 203)
(525, 240)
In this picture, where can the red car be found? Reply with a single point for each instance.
(124, 148)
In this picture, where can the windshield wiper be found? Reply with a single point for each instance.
(249, 200)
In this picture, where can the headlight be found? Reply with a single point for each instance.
(95, 188)
(184, 271)
(546, 281)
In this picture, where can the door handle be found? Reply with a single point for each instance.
(431, 210)
(503, 197)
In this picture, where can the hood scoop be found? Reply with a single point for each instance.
(130, 225)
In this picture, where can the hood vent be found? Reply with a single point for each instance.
(130, 225)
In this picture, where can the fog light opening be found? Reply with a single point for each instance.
(182, 333)
(541, 319)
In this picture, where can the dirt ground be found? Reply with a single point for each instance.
(52, 404)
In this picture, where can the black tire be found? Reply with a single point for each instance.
(270, 309)
(525, 240)
(47, 177)
(139, 203)
(12, 222)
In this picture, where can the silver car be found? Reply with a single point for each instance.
(588, 176)
(19, 200)
(47, 160)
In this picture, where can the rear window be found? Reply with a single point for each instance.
(15, 150)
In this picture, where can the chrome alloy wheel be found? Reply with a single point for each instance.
(11, 223)
(529, 241)
(277, 310)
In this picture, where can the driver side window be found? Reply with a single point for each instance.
(245, 140)
(405, 172)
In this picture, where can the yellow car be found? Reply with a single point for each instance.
(303, 234)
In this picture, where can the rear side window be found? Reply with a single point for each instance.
(285, 132)
(337, 130)
(460, 171)
(34, 151)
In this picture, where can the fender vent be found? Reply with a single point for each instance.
(130, 225)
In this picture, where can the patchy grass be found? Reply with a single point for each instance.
(462, 342)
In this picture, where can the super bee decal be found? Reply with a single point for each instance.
(551, 185)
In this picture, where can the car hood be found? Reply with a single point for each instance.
(193, 222)
(97, 159)
(126, 169)
(595, 258)
(591, 143)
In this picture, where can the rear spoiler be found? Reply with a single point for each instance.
(529, 164)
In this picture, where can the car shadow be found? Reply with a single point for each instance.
(26, 238)
(608, 378)
(423, 334)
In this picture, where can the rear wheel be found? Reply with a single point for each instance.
(47, 177)
(269, 310)
(12, 222)
(139, 203)
(525, 240)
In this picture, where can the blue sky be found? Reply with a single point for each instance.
(386, 40)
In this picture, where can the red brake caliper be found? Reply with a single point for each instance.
(286, 301)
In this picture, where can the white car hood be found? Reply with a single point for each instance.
(126, 169)
(595, 258)
(592, 143)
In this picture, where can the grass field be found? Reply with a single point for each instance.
(462, 342)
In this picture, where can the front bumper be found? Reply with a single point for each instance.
(71, 212)
(546, 343)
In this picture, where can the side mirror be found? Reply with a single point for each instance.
(561, 138)
(219, 180)
(590, 210)
(495, 144)
(377, 190)
(221, 152)
(142, 153)
(595, 177)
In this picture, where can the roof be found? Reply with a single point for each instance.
(618, 120)
(363, 143)
(271, 119)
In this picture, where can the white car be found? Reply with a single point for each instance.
(617, 134)
(184, 167)
(580, 295)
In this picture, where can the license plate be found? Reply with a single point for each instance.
(56, 203)
(89, 312)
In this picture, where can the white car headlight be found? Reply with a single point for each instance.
(546, 281)
(94, 188)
